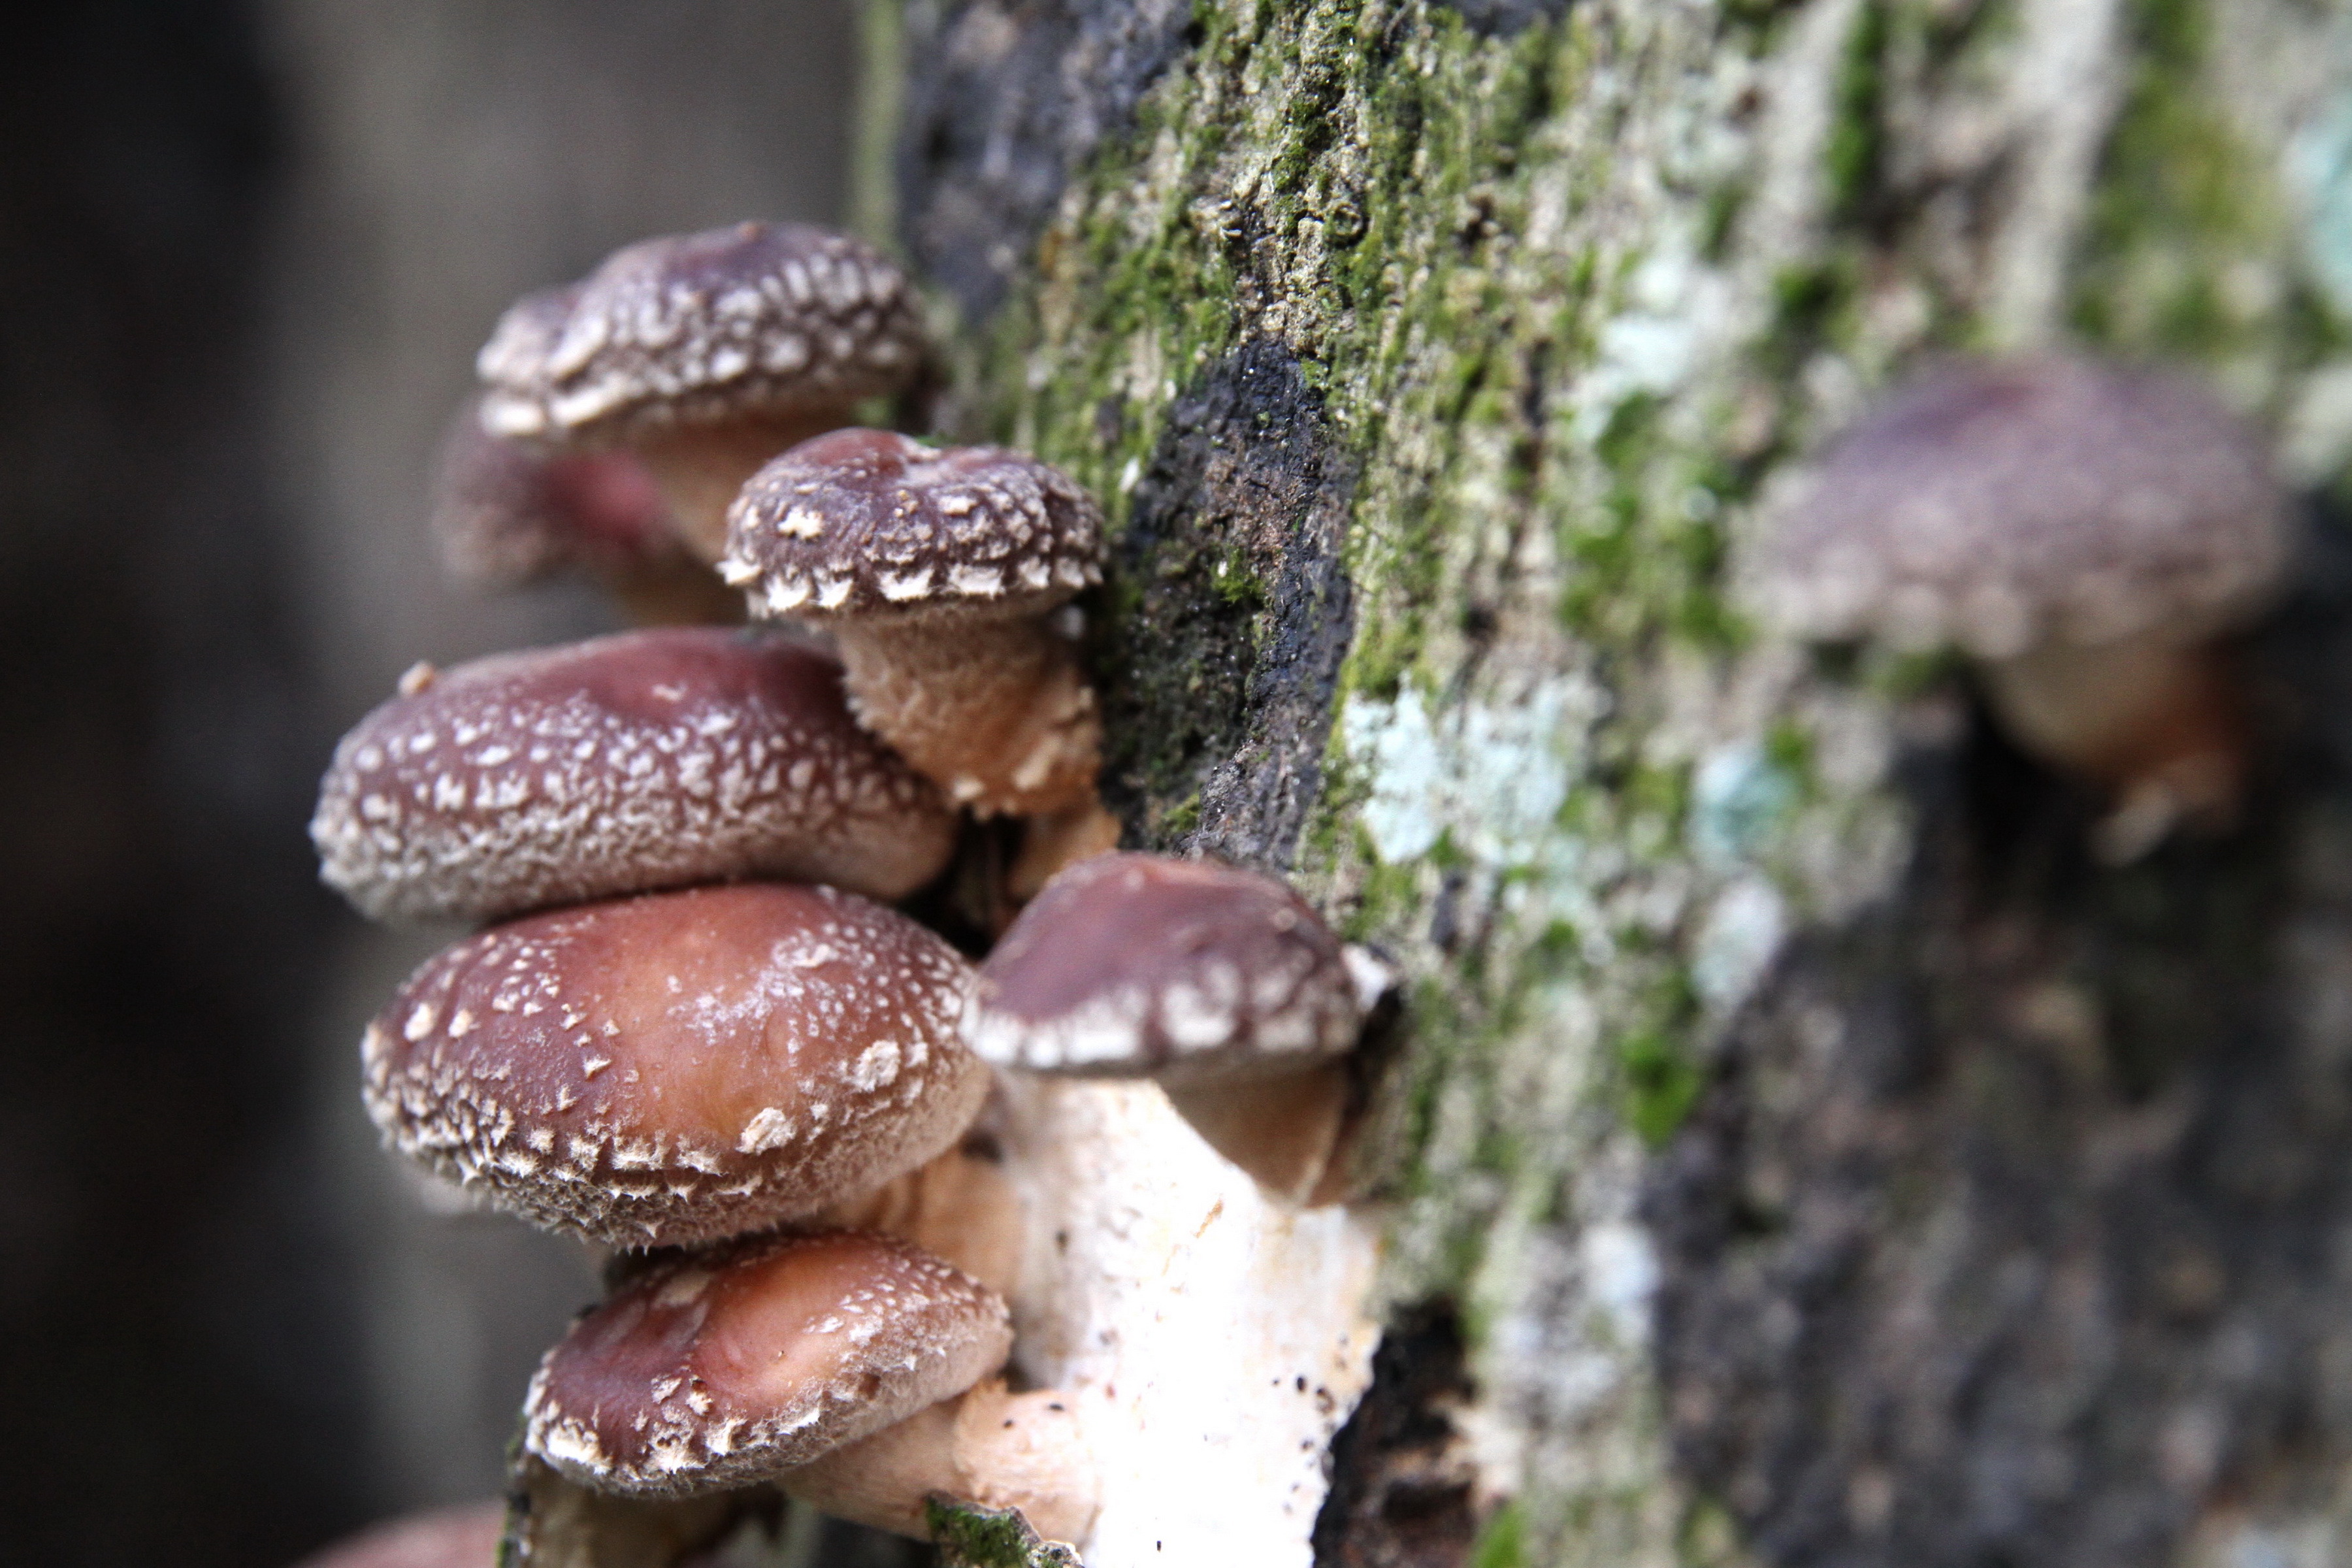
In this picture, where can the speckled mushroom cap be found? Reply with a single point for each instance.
(1188, 972)
(2001, 506)
(680, 1067)
(870, 524)
(506, 512)
(645, 760)
(723, 1369)
(756, 320)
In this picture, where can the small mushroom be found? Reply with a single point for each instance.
(508, 514)
(706, 354)
(1222, 985)
(756, 1362)
(2083, 531)
(938, 571)
(679, 1067)
(628, 763)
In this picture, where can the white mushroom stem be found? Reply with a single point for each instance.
(998, 713)
(699, 468)
(1282, 1131)
(989, 1446)
(2158, 723)
(1211, 1340)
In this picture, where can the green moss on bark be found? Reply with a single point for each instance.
(969, 1536)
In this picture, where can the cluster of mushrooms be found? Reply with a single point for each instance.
(690, 1026)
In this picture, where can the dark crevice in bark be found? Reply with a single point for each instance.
(1402, 1479)
(1219, 672)
(2012, 1230)
(1005, 100)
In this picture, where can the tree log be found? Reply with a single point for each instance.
(1801, 1149)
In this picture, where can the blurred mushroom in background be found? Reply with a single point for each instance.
(2085, 532)
(509, 516)
(704, 355)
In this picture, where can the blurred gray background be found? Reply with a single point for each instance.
(246, 252)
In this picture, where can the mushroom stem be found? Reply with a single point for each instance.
(1213, 1341)
(699, 468)
(674, 594)
(554, 1522)
(1058, 839)
(959, 1207)
(1282, 1131)
(988, 1446)
(2160, 723)
(997, 711)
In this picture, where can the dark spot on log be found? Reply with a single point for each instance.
(1401, 1475)
(1232, 612)
(1504, 18)
(2008, 1231)
(1003, 100)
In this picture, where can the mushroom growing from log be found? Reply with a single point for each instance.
(640, 761)
(937, 570)
(1222, 985)
(679, 1067)
(706, 354)
(508, 513)
(2085, 532)
(836, 1365)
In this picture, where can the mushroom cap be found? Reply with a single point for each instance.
(466, 1536)
(869, 524)
(1183, 971)
(642, 759)
(755, 320)
(679, 1066)
(720, 1370)
(507, 512)
(2002, 506)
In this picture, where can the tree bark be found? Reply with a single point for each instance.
(1799, 1150)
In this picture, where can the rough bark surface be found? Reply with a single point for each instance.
(1819, 1159)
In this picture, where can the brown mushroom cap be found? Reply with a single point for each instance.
(508, 513)
(526, 337)
(644, 760)
(680, 1067)
(1187, 972)
(720, 1370)
(870, 524)
(756, 321)
(466, 1536)
(2000, 506)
